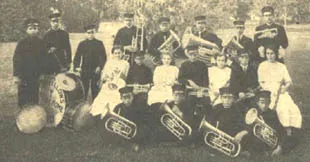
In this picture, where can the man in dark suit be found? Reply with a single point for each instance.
(200, 30)
(58, 45)
(90, 59)
(126, 35)
(159, 38)
(27, 64)
(243, 76)
(246, 42)
(270, 33)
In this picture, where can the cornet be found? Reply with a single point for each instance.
(120, 125)
(267, 33)
(140, 88)
(260, 129)
(219, 140)
(174, 123)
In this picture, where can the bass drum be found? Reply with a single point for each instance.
(55, 100)
(77, 117)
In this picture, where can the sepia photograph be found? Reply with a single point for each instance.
(154, 80)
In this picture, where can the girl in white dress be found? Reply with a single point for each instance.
(273, 76)
(113, 75)
(219, 76)
(164, 78)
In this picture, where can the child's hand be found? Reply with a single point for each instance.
(277, 151)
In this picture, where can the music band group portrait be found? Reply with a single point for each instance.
(232, 97)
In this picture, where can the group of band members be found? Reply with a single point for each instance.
(220, 92)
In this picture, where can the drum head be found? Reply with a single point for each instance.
(65, 82)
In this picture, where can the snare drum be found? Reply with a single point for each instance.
(55, 100)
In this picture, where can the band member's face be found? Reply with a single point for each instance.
(128, 22)
(164, 27)
(55, 23)
(178, 98)
(268, 17)
(271, 56)
(244, 59)
(201, 25)
(117, 53)
(139, 60)
(90, 34)
(32, 30)
(127, 99)
(221, 61)
(240, 29)
(263, 104)
(227, 100)
(166, 59)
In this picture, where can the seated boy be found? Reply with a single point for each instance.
(271, 119)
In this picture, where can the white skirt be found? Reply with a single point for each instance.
(288, 112)
(159, 95)
(107, 98)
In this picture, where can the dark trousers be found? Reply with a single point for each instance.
(93, 80)
(28, 92)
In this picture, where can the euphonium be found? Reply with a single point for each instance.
(189, 39)
(260, 129)
(120, 125)
(174, 123)
(267, 33)
(219, 140)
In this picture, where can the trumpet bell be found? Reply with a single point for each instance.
(65, 82)
(251, 116)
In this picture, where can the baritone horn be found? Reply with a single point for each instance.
(219, 140)
(190, 39)
(168, 44)
(174, 123)
(120, 125)
(260, 129)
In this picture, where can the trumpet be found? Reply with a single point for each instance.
(168, 44)
(120, 125)
(267, 33)
(140, 88)
(260, 129)
(174, 123)
(219, 140)
(200, 93)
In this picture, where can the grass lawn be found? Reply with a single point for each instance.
(94, 144)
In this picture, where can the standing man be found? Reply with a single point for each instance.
(246, 42)
(270, 33)
(90, 59)
(58, 46)
(159, 38)
(26, 64)
(127, 37)
(200, 30)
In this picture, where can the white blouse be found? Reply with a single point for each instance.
(218, 77)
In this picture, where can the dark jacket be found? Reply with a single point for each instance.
(139, 75)
(92, 54)
(196, 71)
(27, 59)
(60, 40)
(124, 37)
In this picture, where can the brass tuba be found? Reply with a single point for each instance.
(260, 129)
(174, 123)
(120, 125)
(219, 140)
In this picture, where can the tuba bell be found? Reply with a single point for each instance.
(219, 140)
(174, 123)
(260, 129)
(120, 125)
